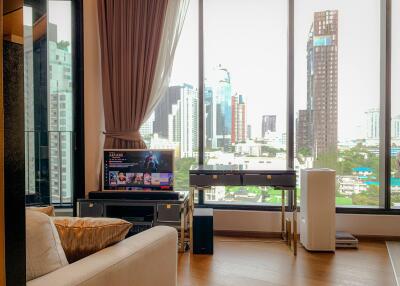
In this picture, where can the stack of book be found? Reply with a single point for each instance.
(345, 240)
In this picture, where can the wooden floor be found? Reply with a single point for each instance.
(241, 261)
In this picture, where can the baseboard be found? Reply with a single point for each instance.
(377, 237)
(263, 234)
(253, 234)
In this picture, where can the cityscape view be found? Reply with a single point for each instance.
(245, 115)
(231, 137)
(48, 105)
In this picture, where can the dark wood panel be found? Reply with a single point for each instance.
(2, 238)
(14, 162)
(253, 262)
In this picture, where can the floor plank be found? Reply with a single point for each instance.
(254, 262)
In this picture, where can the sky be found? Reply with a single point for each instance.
(249, 38)
(57, 15)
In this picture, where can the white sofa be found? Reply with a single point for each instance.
(146, 259)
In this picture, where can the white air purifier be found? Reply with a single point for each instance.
(317, 209)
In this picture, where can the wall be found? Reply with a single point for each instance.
(224, 220)
(93, 101)
(257, 221)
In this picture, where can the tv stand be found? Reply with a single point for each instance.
(144, 210)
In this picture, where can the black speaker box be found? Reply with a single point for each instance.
(203, 228)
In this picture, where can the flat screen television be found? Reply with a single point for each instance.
(134, 169)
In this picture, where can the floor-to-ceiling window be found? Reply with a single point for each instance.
(395, 106)
(307, 89)
(337, 94)
(48, 98)
(245, 51)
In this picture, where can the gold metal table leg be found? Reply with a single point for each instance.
(294, 221)
(182, 234)
(191, 211)
(283, 215)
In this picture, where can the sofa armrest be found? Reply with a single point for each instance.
(146, 259)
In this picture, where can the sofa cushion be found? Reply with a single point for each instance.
(49, 210)
(44, 252)
(81, 237)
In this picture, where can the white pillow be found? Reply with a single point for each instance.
(44, 252)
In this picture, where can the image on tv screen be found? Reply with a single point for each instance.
(138, 169)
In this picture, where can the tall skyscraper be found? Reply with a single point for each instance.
(304, 143)
(29, 111)
(268, 124)
(163, 108)
(218, 105)
(320, 121)
(396, 127)
(182, 122)
(249, 132)
(372, 123)
(238, 119)
(146, 130)
(60, 119)
(210, 118)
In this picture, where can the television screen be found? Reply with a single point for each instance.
(138, 169)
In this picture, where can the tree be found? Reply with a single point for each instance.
(63, 45)
(305, 152)
(182, 167)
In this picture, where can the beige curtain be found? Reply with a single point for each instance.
(173, 25)
(130, 35)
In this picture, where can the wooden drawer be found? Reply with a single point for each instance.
(214, 180)
(277, 180)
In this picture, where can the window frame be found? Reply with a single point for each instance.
(384, 118)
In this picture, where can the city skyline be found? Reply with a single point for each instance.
(358, 80)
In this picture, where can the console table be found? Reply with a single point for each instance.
(144, 210)
(207, 176)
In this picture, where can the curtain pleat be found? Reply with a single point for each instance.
(130, 37)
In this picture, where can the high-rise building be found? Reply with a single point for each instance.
(268, 124)
(182, 122)
(324, 77)
(163, 109)
(60, 119)
(249, 132)
(304, 142)
(396, 127)
(146, 130)
(218, 105)
(372, 123)
(238, 119)
(320, 121)
(29, 117)
(210, 118)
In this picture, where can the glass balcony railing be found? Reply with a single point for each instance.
(49, 167)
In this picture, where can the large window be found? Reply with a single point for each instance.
(48, 102)
(245, 50)
(395, 104)
(174, 123)
(337, 94)
(306, 89)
